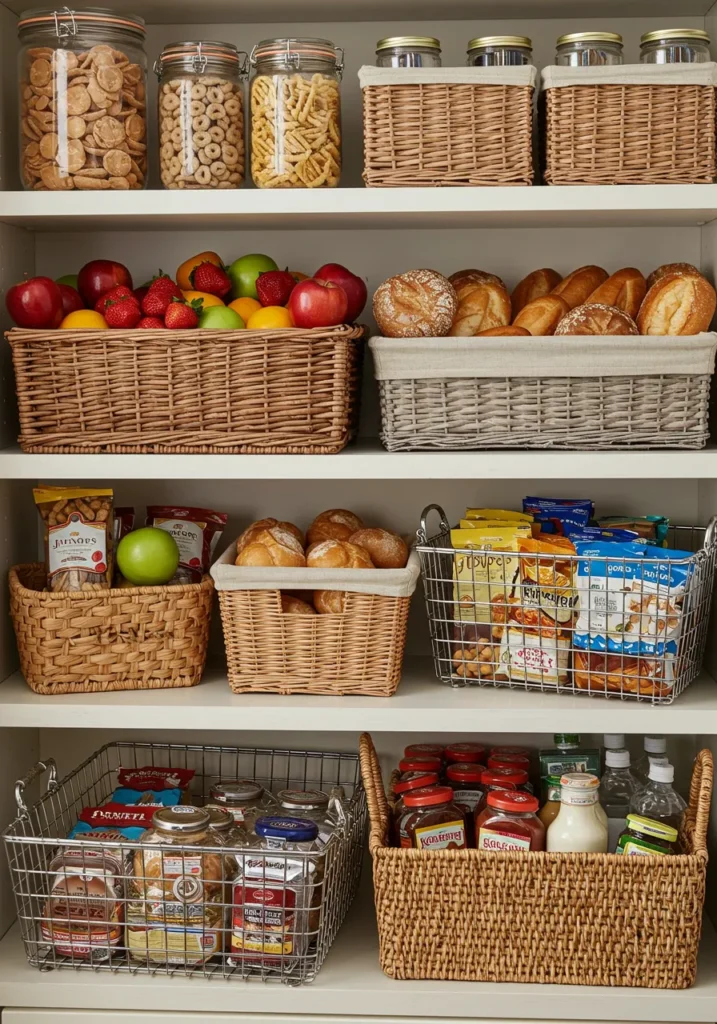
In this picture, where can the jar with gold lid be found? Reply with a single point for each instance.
(408, 52)
(500, 51)
(675, 46)
(589, 49)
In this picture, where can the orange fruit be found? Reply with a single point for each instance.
(269, 318)
(207, 299)
(84, 320)
(245, 307)
(298, 276)
(188, 266)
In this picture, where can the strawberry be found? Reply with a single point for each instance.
(120, 292)
(161, 292)
(274, 287)
(180, 316)
(139, 293)
(150, 323)
(208, 277)
(123, 312)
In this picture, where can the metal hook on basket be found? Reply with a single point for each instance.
(711, 534)
(37, 769)
(422, 531)
(62, 28)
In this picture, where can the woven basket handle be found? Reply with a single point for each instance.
(701, 797)
(375, 793)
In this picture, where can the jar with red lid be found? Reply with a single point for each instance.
(419, 749)
(464, 753)
(512, 761)
(419, 781)
(509, 822)
(495, 779)
(432, 821)
(465, 781)
(522, 751)
(419, 763)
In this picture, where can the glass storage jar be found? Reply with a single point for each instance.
(408, 52)
(499, 52)
(675, 46)
(589, 49)
(509, 822)
(83, 90)
(432, 820)
(201, 115)
(241, 797)
(296, 113)
(313, 805)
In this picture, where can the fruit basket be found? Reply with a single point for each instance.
(205, 391)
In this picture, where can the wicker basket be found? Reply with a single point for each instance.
(205, 391)
(560, 918)
(447, 126)
(585, 393)
(641, 124)
(359, 652)
(133, 638)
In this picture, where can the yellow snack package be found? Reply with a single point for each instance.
(473, 524)
(485, 573)
(500, 514)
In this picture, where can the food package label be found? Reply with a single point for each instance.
(498, 841)
(485, 569)
(528, 658)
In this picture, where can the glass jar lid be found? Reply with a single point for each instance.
(68, 22)
(181, 820)
(649, 827)
(408, 43)
(429, 796)
(219, 819)
(580, 781)
(303, 799)
(462, 772)
(501, 776)
(420, 781)
(420, 762)
(513, 800)
(198, 54)
(675, 33)
(419, 749)
(590, 37)
(509, 42)
(238, 792)
(294, 830)
(296, 53)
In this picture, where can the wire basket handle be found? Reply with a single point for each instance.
(701, 799)
(422, 531)
(710, 534)
(375, 793)
(38, 769)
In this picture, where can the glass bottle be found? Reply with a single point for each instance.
(675, 46)
(408, 52)
(654, 746)
(589, 49)
(577, 827)
(509, 822)
(658, 800)
(550, 809)
(617, 788)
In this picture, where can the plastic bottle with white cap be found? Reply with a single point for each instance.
(654, 746)
(617, 788)
(658, 800)
(614, 741)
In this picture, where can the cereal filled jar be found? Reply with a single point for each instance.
(82, 100)
(296, 114)
(201, 115)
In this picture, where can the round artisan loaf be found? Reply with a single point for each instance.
(257, 527)
(386, 549)
(464, 281)
(541, 316)
(273, 546)
(534, 286)
(338, 554)
(678, 304)
(671, 268)
(295, 606)
(330, 602)
(417, 304)
(481, 307)
(504, 332)
(594, 318)
(334, 524)
(578, 286)
(625, 289)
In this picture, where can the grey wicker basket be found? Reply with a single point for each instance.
(584, 392)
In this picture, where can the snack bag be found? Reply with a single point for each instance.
(591, 533)
(653, 530)
(555, 515)
(618, 673)
(161, 798)
(196, 531)
(114, 816)
(155, 778)
(78, 536)
(123, 522)
(506, 515)
(485, 573)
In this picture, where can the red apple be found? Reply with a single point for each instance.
(318, 304)
(36, 303)
(98, 276)
(354, 287)
(71, 299)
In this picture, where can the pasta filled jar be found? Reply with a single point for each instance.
(296, 113)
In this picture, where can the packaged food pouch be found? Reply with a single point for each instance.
(482, 524)
(196, 531)
(482, 576)
(152, 777)
(590, 533)
(619, 673)
(115, 815)
(547, 598)
(653, 530)
(148, 797)
(498, 513)
(78, 536)
(556, 514)
(123, 522)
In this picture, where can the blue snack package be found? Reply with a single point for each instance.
(557, 515)
(84, 831)
(653, 530)
(597, 533)
(165, 798)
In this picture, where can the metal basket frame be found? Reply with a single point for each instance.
(458, 643)
(328, 879)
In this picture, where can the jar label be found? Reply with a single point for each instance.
(449, 835)
(467, 799)
(498, 840)
(635, 847)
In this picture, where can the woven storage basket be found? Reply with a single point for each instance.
(565, 918)
(641, 124)
(204, 391)
(359, 652)
(447, 126)
(133, 638)
(588, 393)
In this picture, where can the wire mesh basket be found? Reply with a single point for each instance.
(615, 626)
(217, 908)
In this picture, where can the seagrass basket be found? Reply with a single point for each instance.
(606, 919)
(126, 638)
(447, 126)
(640, 124)
(246, 392)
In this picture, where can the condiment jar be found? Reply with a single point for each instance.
(296, 113)
(432, 820)
(509, 822)
(675, 46)
(522, 751)
(419, 749)
(408, 52)
(83, 98)
(589, 49)
(420, 781)
(643, 837)
(465, 781)
(419, 763)
(240, 797)
(201, 115)
(312, 805)
(578, 828)
(549, 811)
(499, 51)
(223, 830)
(464, 753)
(494, 779)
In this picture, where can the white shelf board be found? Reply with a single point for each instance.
(422, 704)
(368, 460)
(351, 982)
(282, 209)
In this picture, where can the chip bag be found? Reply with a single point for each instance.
(196, 531)
(78, 536)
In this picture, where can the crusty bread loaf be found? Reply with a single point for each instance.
(594, 318)
(504, 332)
(534, 286)
(678, 304)
(295, 606)
(541, 316)
(625, 289)
(272, 546)
(485, 306)
(338, 554)
(464, 281)
(578, 286)
(418, 304)
(264, 524)
(330, 602)
(386, 549)
(671, 268)
(334, 524)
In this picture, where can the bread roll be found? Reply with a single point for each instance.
(578, 286)
(671, 268)
(387, 550)
(418, 304)
(593, 318)
(541, 316)
(338, 554)
(264, 524)
(464, 281)
(534, 286)
(334, 524)
(330, 602)
(272, 546)
(485, 306)
(678, 304)
(624, 289)
(504, 332)
(295, 606)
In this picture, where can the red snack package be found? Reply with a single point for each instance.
(151, 777)
(123, 522)
(196, 531)
(119, 815)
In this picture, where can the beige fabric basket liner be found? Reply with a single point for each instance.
(630, 74)
(373, 76)
(583, 356)
(381, 582)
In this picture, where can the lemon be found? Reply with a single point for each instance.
(269, 318)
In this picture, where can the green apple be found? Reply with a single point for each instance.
(245, 271)
(70, 279)
(221, 318)
(148, 557)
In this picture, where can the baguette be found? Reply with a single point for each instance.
(578, 286)
(625, 289)
(485, 306)
(534, 286)
(541, 316)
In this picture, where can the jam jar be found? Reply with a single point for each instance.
(644, 837)
(421, 749)
(509, 822)
(419, 763)
(241, 797)
(495, 779)
(432, 820)
(589, 49)
(465, 781)
(512, 761)
(420, 781)
(408, 52)
(675, 46)
(464, 753)
(500, 52)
